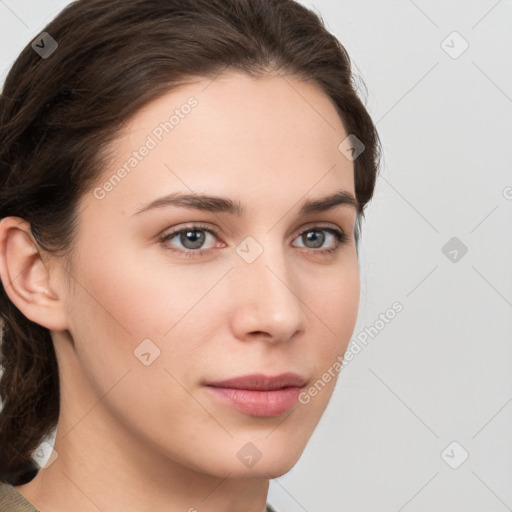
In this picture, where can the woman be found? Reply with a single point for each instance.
(182, 188)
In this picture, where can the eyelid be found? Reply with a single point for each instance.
(191, 226)
(210, 228)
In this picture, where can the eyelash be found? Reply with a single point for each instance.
(340, 236)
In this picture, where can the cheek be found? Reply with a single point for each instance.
(125, 297)
(118, 304)
(130, 294)
(336, 304)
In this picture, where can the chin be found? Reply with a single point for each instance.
(261, 458)
(274, 459)
(270, 468)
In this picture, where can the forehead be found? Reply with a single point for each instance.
(234, 136)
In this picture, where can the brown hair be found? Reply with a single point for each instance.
(57, 115)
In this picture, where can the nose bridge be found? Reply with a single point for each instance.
(267, 299)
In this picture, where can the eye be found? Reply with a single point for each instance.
(193, 237)
(316, 238)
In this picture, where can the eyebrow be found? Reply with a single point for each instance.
(224, 205)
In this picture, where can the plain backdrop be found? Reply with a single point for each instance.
(421, 416)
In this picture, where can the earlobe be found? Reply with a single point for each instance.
(26, 276)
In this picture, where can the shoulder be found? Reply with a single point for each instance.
(12, 501)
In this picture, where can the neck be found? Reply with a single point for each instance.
(93, 472)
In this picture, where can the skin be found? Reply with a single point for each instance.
(140, 438)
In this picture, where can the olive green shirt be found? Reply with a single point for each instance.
(13, 501)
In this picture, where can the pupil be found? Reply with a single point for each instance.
(196, 238)
(312, 235)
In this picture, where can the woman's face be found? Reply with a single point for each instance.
(153, 321)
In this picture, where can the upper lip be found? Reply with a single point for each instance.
(261, 382)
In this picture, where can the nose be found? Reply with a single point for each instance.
(266, 293)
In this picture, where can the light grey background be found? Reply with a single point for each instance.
(440, 371)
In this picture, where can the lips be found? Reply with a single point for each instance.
(258, 394)
(260, 382)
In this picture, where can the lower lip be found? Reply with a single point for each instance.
(258, 403)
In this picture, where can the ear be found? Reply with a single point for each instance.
(27, 278)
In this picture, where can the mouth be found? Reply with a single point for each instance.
(258, 394)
